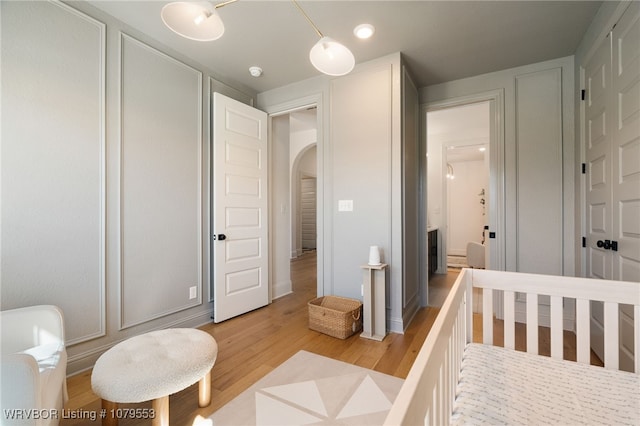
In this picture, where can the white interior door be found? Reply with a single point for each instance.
(598, 179)
(240, 225)
(598, 160)
(612, 130)
(626, 166)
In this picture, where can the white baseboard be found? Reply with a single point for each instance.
(281, 289)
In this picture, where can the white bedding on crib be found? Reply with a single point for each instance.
(503, 386)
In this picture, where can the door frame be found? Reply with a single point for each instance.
(287, 108)
(496, 165)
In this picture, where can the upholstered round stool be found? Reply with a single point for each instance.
(153, 366)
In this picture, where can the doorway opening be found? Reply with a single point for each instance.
(304, 173)
(462, 133)
(465, 192)
(294, 196)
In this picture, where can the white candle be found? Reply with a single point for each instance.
(374, 255)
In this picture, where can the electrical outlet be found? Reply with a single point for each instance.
(362, 290)
(193, 292)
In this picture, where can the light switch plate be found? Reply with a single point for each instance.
(345, 205)
(193, 292)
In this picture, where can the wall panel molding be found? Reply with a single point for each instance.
(53, 163)
(539, 157)
(161, 184)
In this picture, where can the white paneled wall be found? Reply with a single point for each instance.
(539, 172)
(53, 159)
(161, 183)
(105, 175)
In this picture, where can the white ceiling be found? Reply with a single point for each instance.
(441, 40)
(463, 130)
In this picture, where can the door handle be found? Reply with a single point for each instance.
(607, 245)
(219, 237)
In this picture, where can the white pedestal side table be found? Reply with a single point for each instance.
(374, 318)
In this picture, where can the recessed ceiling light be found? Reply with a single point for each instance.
(364, 31)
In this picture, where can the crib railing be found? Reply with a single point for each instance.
(559, 289)
(429, 390)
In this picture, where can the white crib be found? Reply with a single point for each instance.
(435, 393)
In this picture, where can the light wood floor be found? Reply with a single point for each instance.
(252, 345)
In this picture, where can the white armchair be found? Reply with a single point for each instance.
(33, 362)
(475, 255)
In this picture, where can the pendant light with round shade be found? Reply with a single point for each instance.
(196, 21)
(327, 55)
(331, 57)
(200, 21)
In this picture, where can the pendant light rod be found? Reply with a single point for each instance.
(224, 3)
(308, 19)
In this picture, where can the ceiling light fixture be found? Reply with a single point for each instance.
(255, 71)
(200, 21)
(364, 31)
(327, 55)
(197, 21)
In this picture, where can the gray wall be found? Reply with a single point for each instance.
(361, 159)
(280, 195)
(105, 176)
(414, 277)
(361, 168)
(537, 202)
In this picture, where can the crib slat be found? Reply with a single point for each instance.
(611, 355)
(446, 395)
(583, 339)
(532, 323)
(556, 327)
(440, 397)
(487, 316)
(509, 320)
(636, 327)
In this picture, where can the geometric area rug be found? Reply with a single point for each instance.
(310, 389)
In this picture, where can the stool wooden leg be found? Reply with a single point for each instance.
(110, 418)
(161, 409)
(204, 390)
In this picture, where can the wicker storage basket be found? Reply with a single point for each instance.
(336, 316)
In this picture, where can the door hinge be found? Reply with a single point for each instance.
(584, 241)
(584, 168)
(583, 94)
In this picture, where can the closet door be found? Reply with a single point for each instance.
(598, 159)
(626, 166)
(612, 132)
(625, 138)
